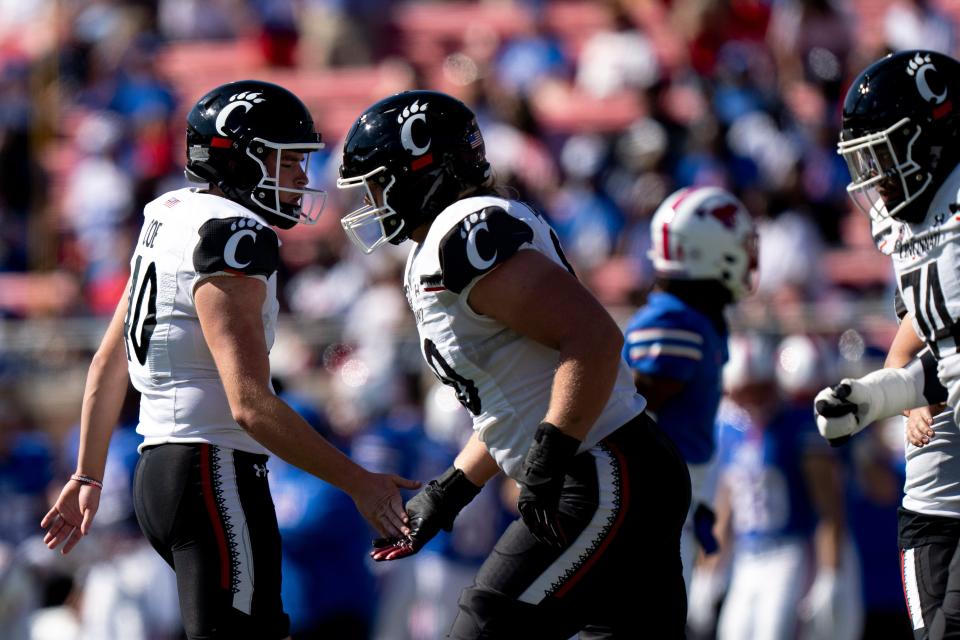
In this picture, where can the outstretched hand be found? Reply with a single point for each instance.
(379, 501)
(71, 516)
(431, 510)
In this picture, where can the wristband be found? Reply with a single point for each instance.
(552, 449)
(93, 482)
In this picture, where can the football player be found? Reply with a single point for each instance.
(535, 359)
(193, 333)
(899, 138)
(705, 256)
(779, 498)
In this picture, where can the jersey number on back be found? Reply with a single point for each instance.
(141, 317)
(933, 317)
(466, 390)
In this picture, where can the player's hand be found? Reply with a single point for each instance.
(542, 474)
(434, 508)
(920, 424)
(843, 410)
(378, 500)
(71, 516)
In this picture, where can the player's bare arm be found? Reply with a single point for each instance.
(229, 312)
(588, 339)
(72, 514)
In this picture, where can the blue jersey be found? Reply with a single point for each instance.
(668, 338)
(325, 544)
(762, 468)
(26, 468)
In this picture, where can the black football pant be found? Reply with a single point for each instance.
(207, 510)
(624, 503)
(930, 569)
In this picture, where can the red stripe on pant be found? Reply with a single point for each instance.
(206, 482)
(611, 533)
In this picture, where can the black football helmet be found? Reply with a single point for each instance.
(231, 131)
(414, 153)
(900, 120)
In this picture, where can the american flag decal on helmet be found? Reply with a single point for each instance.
(475, 138)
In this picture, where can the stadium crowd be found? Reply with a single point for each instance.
(592, 111)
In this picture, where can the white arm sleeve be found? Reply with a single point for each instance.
(888, 392)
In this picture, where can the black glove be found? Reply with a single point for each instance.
(435, 507)
(542, 481)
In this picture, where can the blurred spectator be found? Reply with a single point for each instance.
(919, 24)
(26, 468)
(529, 58)
(202, 19)
(812, 40)
(779, 493)
(328, 590)
(99, 196)
(620, 59)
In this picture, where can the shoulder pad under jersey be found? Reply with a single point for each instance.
(236, 245)
(478, 243)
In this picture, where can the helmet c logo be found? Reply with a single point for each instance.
(230, 250)
(918, 67)
(241, 101)
(225, 113)
(410, 115)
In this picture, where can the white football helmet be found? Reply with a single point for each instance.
(705, 233)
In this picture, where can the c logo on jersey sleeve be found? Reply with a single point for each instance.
(236, 245)
(478, 243)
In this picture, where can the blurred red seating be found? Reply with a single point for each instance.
(336, 96)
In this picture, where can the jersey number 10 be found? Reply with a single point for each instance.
(140, 315)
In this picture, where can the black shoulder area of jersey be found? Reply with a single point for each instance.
(236, 245)
(478, 243)
(899, 307)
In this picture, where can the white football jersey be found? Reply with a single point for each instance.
(926, 259)
(188, 236)
(503, 379)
